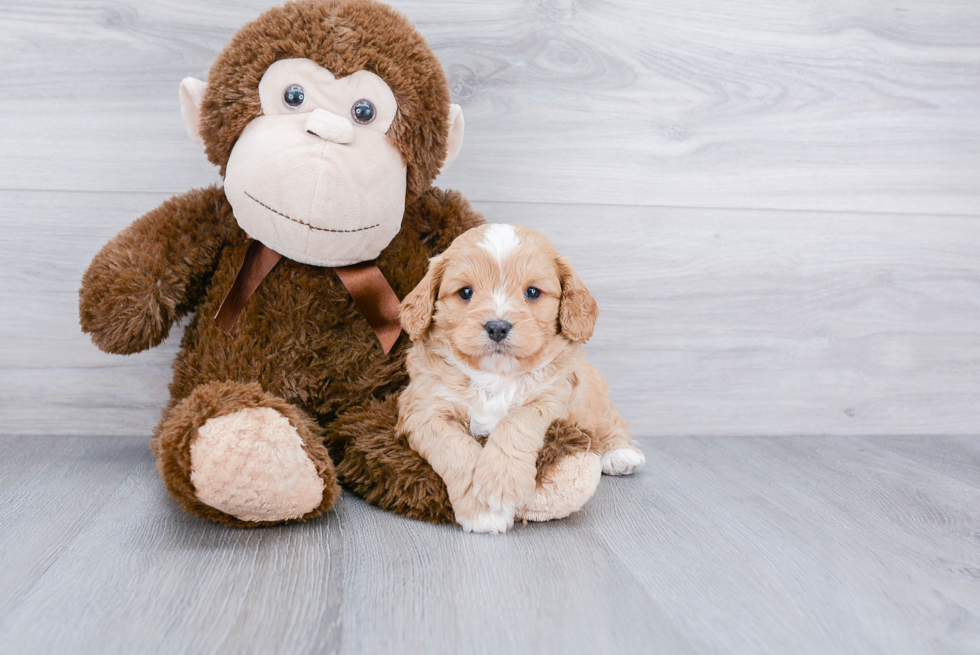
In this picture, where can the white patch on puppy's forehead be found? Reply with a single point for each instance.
(500, 239)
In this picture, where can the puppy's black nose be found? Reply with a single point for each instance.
(497, 330)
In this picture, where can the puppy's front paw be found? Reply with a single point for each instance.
(503, 483)
(623, 461)
(474, 516)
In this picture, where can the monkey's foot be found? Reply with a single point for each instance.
(251, 464)
(234, 454)
(569, 485)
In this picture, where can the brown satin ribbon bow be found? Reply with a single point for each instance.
(365, 282)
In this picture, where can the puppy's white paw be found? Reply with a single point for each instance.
(622, 461)
(474, 516)
(489, 521)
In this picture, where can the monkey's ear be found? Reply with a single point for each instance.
(191, 95)
(578, 311)
(419, 304)
(455, 142)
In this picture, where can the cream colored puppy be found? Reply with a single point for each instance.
(498, 324)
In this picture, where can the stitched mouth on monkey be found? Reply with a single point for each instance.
(312, 227)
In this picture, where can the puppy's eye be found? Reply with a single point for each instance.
(532, 293)
(294, 96)
(363, 111)
(466, 293)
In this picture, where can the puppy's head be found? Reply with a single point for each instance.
(502, 299)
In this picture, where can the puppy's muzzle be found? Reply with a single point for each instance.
(497, 330)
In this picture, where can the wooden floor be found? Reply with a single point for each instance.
(777, 207)
(721, 545)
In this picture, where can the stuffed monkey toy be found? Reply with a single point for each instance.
(328, 120)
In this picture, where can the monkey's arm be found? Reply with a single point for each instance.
(154, 272)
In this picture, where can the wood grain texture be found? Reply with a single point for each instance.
(751, 545)
(136, 574)
(849, 106)
(843, 543)
(713, 322)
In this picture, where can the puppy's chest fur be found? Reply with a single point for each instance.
(489, 397)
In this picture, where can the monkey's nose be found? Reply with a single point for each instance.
(497, 330)
(329, 126)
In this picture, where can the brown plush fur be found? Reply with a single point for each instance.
(378, 464)
(300, 346)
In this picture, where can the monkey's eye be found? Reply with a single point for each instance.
(294, 96)
(466, 293)
(532, 293)
(363, 111)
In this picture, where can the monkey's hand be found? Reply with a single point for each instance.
(153, 272)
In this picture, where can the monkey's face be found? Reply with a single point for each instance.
(325, 118)
(315, 177)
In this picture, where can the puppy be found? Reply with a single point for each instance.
(498, 324)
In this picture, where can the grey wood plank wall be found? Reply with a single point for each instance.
(776, 204)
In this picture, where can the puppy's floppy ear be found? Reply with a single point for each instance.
(416, 310)
(578, 311)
